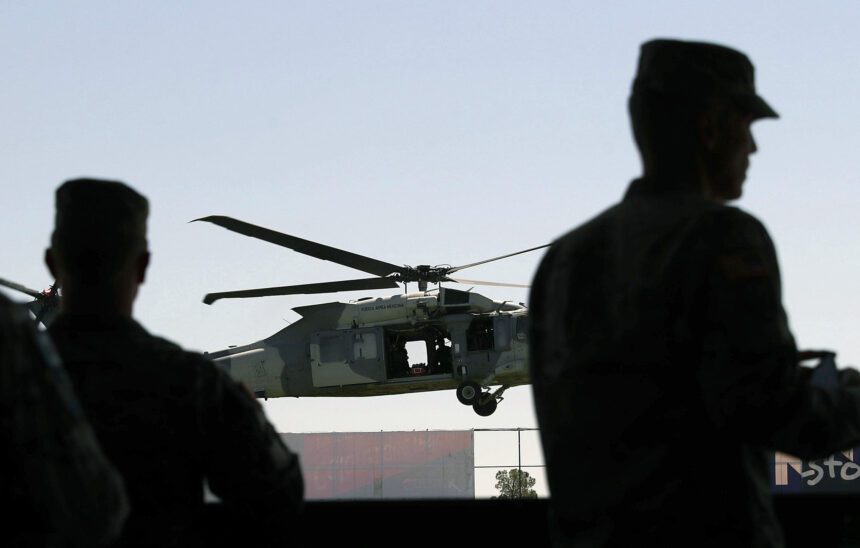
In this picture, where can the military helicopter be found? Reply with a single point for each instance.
(358, 348)
(45, 304)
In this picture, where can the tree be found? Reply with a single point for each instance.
(515, 484)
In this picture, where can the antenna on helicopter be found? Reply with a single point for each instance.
(386, 275)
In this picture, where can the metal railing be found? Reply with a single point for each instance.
(519, 465)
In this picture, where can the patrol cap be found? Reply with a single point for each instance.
(99, 218)
(699, 69)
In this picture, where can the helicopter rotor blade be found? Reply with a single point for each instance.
(480, 282)
(305, 289)
(18, 287)
(456, 268)
(307, 247)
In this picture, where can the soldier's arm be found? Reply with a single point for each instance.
(750, 378)
(546, 275)
(249, 468)
(78, 493)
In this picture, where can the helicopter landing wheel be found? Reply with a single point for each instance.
(486, 408)
(469, 393)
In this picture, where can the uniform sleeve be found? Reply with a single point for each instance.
(78, 494)
(249, 468)
(547, 338)
(750, 379)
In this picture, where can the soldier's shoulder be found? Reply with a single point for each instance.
(586, 231)
(734, 215)
(170, 353)
(728, 224)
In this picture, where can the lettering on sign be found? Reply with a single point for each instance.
(814, 471)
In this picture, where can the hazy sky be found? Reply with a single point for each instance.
(413, 132)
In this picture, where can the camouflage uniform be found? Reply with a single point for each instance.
(664, 369)
(57, 486)
(170, 419)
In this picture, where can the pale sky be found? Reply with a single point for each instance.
(413, 132)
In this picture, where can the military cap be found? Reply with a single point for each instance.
(94, 213)
(699, 69)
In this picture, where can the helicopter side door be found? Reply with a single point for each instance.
(487, 339)
(347, 356)
(481, 343)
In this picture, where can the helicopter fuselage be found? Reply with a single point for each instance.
(360, 348)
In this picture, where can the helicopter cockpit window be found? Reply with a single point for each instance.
(480, 336)
(332, 348)
(502, 333)
(522, 328)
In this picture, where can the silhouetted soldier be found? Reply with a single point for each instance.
(167, 418)
(56, 485)
(662, 361)
(443, 356)
(399, 357)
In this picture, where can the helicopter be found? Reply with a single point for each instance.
(472, 343)
(45, 304)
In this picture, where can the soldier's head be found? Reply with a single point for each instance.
(691, 107)
(99, 246)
